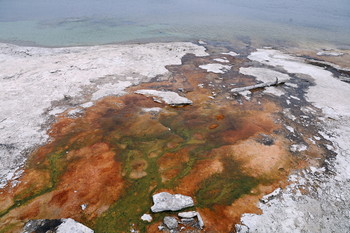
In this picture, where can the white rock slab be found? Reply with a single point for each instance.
(165, 201)
(168, 97)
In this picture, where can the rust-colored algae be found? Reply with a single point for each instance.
(113, 158)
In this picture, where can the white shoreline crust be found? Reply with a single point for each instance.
(326, 207)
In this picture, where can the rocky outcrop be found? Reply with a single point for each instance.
(165, 201)
(64, 225)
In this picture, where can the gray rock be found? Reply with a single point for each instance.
(170, 222)
(64, 225)
(165, 201)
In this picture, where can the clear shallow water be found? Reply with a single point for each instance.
(83, 22)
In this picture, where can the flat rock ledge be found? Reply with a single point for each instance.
(165, 201)
(64, 225)
(168, 97)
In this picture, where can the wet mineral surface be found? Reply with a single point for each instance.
(225, 150)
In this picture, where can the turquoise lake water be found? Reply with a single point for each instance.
(87, 22)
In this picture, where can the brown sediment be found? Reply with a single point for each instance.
(213, 126)
(114, 157)
(170, 163)
(258, 160)
(201, 171)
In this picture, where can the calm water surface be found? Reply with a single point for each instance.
(84, 22)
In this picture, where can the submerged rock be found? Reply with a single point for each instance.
(64, 225)
(165, 201)
(168, 97)
(170, 222)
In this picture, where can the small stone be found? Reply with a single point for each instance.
(83, 206)
(170, 222)
(147, 218)
(165, 201)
